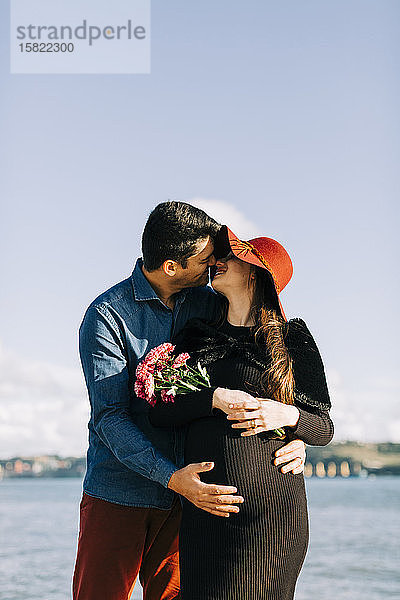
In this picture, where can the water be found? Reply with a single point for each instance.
(353, 553)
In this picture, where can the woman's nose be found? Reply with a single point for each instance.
(220, 261)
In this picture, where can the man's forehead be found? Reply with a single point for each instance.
(204, 248)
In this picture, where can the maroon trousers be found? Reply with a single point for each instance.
(118, 543)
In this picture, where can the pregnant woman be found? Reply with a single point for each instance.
(257, 552)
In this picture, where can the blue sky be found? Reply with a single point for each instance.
(286, 113)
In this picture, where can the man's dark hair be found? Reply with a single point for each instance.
(173, 231)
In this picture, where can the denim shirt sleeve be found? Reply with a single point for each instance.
(105, 368)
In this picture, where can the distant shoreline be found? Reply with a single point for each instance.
(338, 459)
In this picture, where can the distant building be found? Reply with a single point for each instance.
(338, 459)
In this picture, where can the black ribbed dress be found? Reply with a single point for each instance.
(256, 554)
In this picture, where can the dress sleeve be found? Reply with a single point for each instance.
(311, 388)
(314, 429)
(314, 426)
(185, 408)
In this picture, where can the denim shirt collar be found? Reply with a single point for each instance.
(142, 289)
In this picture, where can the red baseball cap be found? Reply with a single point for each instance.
(263, 252)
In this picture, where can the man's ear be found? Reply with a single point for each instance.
(169, 267)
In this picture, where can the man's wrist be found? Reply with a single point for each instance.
(172, 481)
(163, 471)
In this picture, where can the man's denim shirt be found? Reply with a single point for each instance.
(128, 461)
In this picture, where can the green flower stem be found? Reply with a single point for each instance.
(183, 378)
(280, 432)
(196, 378)
(193, 370)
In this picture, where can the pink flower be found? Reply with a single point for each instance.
(139, 389)
(180, 360)
(155, 360)
(143, 370)
(168, 395)
(163, 351)
(149, 387)
(152, 401)
(160, 369)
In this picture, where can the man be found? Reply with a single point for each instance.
(130, 512)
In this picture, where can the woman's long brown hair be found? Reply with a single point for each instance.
(277, 381)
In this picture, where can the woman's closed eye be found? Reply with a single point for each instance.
(227, 257)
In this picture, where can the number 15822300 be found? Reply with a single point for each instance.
(46, 47)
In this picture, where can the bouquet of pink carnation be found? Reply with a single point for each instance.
(168, 375)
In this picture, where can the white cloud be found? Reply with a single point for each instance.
(227, 214)
(368, 414)
(43, 408)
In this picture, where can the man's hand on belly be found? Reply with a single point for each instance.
(215, 499)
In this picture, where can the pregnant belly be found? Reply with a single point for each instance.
(237, 460)
(247, 463)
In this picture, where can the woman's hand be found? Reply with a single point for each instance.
(294, 455)
(230, 401)
(269, 415)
